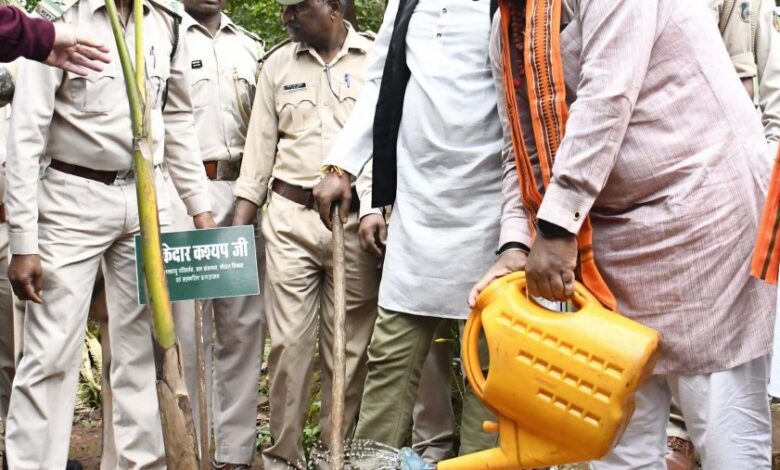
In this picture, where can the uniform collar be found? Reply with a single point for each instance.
(225, 23)
(94, 5)
(354, 41)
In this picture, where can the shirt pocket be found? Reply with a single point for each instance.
(244, 86)
(297, 110)
(158, 70)
(202, 88)
(98, 92)
(348, 95)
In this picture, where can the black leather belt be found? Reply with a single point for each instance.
(105, 177)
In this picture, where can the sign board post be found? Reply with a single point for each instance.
(205, 264)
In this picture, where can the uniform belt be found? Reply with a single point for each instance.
(211, 168)
(105, 177)
(304, 196)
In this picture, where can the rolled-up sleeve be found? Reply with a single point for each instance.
(261, 141)
(182, 153)
(617, 39)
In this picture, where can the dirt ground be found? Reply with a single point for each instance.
(86, 441)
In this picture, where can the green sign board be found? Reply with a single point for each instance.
(206, 264)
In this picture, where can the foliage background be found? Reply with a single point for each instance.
(264, 17)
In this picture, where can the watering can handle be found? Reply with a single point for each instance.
(473, 328)
(470, 347)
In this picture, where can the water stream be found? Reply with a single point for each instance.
(360, 455)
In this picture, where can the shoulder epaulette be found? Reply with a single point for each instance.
(251, 35)
(174, 7)
(368, 35)
(54, 9)
(274, 49)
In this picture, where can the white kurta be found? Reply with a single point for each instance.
(445, 223)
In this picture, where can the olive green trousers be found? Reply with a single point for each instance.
(396, 355)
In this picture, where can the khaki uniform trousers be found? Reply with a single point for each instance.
(234, 357)
(81, 222)
(396, 356)
(433, 431)
(299, 302)
(726, 413)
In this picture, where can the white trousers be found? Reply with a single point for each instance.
(774, 376)
(82, 222)
(726, 413)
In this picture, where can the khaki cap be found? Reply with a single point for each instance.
(289, 2)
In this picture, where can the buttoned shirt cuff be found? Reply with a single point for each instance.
(515, 229)
(23, 243)
(745, 65)
(564, 208)
(251, 190)
(197, 204)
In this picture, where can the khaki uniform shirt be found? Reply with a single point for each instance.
(752, 39)
(301, 106)
(224, 73)
(86, 120)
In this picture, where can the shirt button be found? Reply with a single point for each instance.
(443, 11)
(438, 35)
(577, 215)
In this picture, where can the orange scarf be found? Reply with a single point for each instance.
(766, 257)
(534, 33)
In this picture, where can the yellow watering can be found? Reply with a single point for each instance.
(562, 385)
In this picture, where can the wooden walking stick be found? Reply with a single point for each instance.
(205, 454)
(175, 410)
(339, 345)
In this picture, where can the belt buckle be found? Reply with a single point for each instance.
(124, 175)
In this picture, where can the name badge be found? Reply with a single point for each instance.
(196, 64)
(294, 87)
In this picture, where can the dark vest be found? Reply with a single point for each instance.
(389, 106)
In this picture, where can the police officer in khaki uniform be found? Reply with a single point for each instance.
(306, 90)
(751, 34)
(223, 69)
(71, 202)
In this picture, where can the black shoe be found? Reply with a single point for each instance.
(73, 465)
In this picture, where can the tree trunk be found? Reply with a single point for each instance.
(175, 409)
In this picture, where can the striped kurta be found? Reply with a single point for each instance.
(664, 151)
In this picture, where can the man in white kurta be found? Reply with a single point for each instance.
(444, 227)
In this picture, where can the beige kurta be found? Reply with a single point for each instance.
(664, 150)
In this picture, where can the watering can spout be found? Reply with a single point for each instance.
(562, 385)
(496, 457)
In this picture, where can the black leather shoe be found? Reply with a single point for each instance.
(73, 465)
